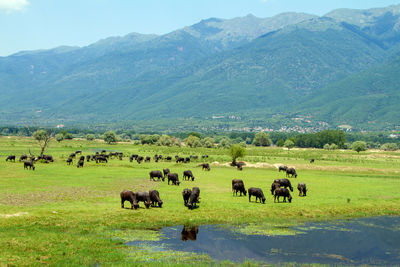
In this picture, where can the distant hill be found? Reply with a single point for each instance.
(256, 69)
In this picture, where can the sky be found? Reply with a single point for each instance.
(44, 24)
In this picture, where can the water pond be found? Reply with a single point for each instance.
(371, 241)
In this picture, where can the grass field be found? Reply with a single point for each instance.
(62, 215)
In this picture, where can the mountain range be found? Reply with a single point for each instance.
(293, 69)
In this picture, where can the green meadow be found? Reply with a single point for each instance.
(62, 215)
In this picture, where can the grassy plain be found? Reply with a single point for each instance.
(62, 215)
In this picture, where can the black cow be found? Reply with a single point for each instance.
(312, 160)
(169, 158)
(302, 189)
(240, 165)
(139, 159)
(157, 174)
(274, 186)
(155, 197)
(258, 193)
(205, 166)
(291, 172)
(101, 158)
(187, 160)
(238, 186)
(46, 158)
(189, 233)
(174, 178)
(88, 158)
(80, 164)
(180, 160)
(23, 157)
(129, 196)
(166, 171)
(29, 164)
(282, 168)
(188, 174)
(133, 157)
(282, 192)
(69, 161)
(145, 197)
(194, 197)
(186, 194)
(147, 159)
(72, 155)
(204, 156)
(78, 152)
(11, 158)
(284, 183)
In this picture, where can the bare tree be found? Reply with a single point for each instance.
(43, 139)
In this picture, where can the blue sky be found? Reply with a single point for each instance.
(42, 24)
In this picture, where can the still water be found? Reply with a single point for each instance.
(372, 241)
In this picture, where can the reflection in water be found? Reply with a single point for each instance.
(368, 241)
(189, 233)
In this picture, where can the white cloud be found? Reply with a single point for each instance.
(13, 5)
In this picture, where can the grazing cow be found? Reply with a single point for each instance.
(186, 194)
(155, 197)
(291, 172)
(29, 164)
(187, 160)
(282, 168)
(239, 187)
(188, 174)
(129, 196)
(205, 166)
(147, 159)
(72, 155)
(101, 158)
(11, 158)
(133, 157)
(88, 158)
(180, 160)
(258, 193)
(169, 158)
(274, 186)
(284, 183)
(80, 164)
(204, 156)
(23, 157)
(78, 152)
(69, 161)
(240, 165)
(157, 174)
(139, 159)
(302, 189)
(194, 197)
(166, 171)
(282, 192)
(46, 158)
(189, 233)
(145, 197)
(103, 151)
(120, 155)
(312, 160)
(173, 177)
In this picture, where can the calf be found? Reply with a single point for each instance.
(11, 158)
(302, 189)
(129, 196)
(145, 197)
(205, 166)
(29, 164)
(194, 197)
(188, 174)
(174, 178)
(282, 192)
(292, 172)
(258, 193)
(157, 174)
(155, 197)
(186, 194)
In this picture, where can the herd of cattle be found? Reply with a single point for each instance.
(279, 187)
